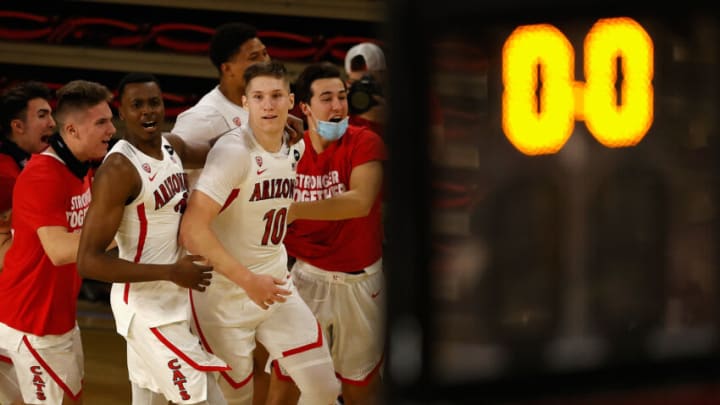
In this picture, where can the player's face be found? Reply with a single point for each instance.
(93, 129)
(32, 133)
(251, 51)
(142, 109)
(268, 100)
(328, 102)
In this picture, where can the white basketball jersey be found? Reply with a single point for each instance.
(148, 233)
(255, 189)
(213, 115)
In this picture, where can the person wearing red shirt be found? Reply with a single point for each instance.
(26, 124)
(337, 234)
(39, 283)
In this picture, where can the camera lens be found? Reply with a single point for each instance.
(360, 101)
(360, 95)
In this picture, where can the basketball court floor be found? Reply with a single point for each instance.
(106, 380)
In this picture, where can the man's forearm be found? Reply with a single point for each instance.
(104, 266)
(202, 241)
(343, 206)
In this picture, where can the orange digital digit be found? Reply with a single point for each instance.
(623, 119)
(538, 103)
(541, 100)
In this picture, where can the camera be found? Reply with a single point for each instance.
(360, 95)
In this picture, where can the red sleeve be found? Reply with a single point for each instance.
(41, 198)
(8, 173)
(369, 146)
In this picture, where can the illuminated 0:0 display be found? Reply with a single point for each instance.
(541, 99)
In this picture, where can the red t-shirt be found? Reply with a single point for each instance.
(347, 245)
(9, 170)
(36, 296)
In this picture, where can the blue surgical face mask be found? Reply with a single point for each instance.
(332, 131)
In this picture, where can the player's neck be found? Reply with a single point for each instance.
(270, 141)
(232, 93)
(151, 147)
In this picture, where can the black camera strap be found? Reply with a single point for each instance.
(78, 168)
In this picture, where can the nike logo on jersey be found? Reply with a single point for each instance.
(152, 177)
(375, 294)
(261, 171)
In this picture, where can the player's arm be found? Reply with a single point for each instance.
(116, 183)
(37, 200)
(59, 244)
(295, 129)
(365, 184)
(197, 235)
(192, 153)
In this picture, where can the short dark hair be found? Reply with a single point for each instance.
(358, 64)
(272, 69)
(135, 77)
(79, 94)
(14, 102)
(315, 71)
(228, 39)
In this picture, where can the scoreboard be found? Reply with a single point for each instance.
(566, 228)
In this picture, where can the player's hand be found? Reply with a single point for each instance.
(188, 273)
(265, 290)
(380, 100)
(295, 128)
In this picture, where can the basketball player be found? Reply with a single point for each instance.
(233, 48)
(236, 218)
(140, 193)
(39, 283)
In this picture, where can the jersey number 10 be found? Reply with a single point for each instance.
(274, 226)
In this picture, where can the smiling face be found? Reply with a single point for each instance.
(268, 100)
(32, 133)
(143, 111)
(87, 132)
(328, 102)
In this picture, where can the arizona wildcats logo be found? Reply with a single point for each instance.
(146, 167)
(258, 160)
(236, 121)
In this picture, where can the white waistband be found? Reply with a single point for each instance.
(337, 276)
